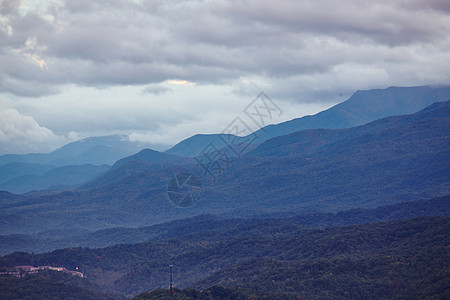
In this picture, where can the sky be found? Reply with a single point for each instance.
(161, 71)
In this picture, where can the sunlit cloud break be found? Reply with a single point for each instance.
(180, 82)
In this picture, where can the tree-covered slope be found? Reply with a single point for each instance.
(362, 260)
(211, 227)
(50, 285)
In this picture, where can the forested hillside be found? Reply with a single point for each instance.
(312, 262)
(210, 225)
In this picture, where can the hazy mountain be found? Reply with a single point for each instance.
(93, 150)
(143, 161)
(15, 170)
(213, 228)
(194, 145)
(384, 162)
(361, 108)
(397, 132)
(56, 178)
(24, 173)
(149, 156)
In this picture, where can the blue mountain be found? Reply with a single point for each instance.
(93, 150)
(361, 108)
(68, 166)
(55, 178)
(194, 145)
(391, 160)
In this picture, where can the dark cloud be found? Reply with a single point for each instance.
(107, 43)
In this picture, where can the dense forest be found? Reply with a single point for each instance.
(50, 285)
(379, 259)
(215, 292)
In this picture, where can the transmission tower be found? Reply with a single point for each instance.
(171, 283)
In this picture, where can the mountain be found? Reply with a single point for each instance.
(396, 132)
(68, 166)
(14, 170)
(361, 108)
(149, 156)
(214, 228)
(143, 161)
(56, 178)
(93, 150)
(194, 145)
(392, 160)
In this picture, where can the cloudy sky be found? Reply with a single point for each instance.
(164, 70)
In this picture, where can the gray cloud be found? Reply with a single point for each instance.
(164, 70)
(155, 89)
(89, 43)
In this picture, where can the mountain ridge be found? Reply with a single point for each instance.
(210, 225)
(362, 107)
(380, 163)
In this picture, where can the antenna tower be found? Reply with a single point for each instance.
(171, 283)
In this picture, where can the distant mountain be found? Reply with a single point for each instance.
(56, 178)
(143, 161)
(362, 107)
(15, 170)
(397, 132)
(214, 228)
(383, 162)
(194, 145)
(24, 173)
(93, 150)
(149, 156)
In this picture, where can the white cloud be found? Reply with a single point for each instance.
(22, 134)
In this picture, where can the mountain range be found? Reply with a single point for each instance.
(94, 150)
(66, 167)
(361, 108)
(383, 162)
(54, 179)
(25, 173)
